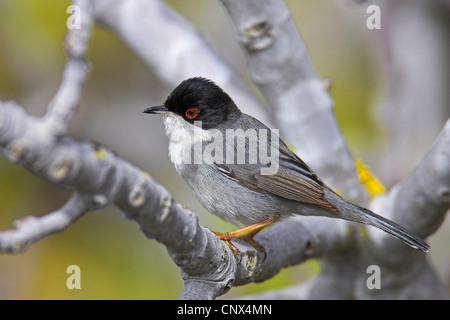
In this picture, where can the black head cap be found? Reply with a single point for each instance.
(200, 99)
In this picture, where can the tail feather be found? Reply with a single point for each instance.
(353, 212)
(395, 230)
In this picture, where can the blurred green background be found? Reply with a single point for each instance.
(116, 260)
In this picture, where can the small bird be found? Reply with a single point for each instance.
(223, 155)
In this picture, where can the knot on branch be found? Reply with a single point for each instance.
(257, 36)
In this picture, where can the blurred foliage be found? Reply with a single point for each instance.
(116, 260)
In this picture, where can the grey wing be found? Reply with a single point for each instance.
(294, 180)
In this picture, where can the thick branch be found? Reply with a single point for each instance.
(279, 64)
(104, 178)
(415, 50)
(421, 201)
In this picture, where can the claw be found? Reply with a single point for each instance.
(247, 234)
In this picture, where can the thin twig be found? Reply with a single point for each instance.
(31, 229)
(64, 102)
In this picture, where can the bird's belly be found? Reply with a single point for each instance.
(228, 199)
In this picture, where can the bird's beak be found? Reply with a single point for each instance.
(157, 110)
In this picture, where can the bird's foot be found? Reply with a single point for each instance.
(247, 234)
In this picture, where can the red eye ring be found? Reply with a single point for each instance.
(192, 113)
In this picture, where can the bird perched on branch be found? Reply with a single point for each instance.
(241, 171)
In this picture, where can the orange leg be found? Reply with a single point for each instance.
(246, 233)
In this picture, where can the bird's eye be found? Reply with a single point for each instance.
(192, 113)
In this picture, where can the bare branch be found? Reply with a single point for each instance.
(279, 64)
(63, 104)
(103, 178)
(415, 50)
(421, 201)
(31, 229)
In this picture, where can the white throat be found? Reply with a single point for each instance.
(182, 137)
